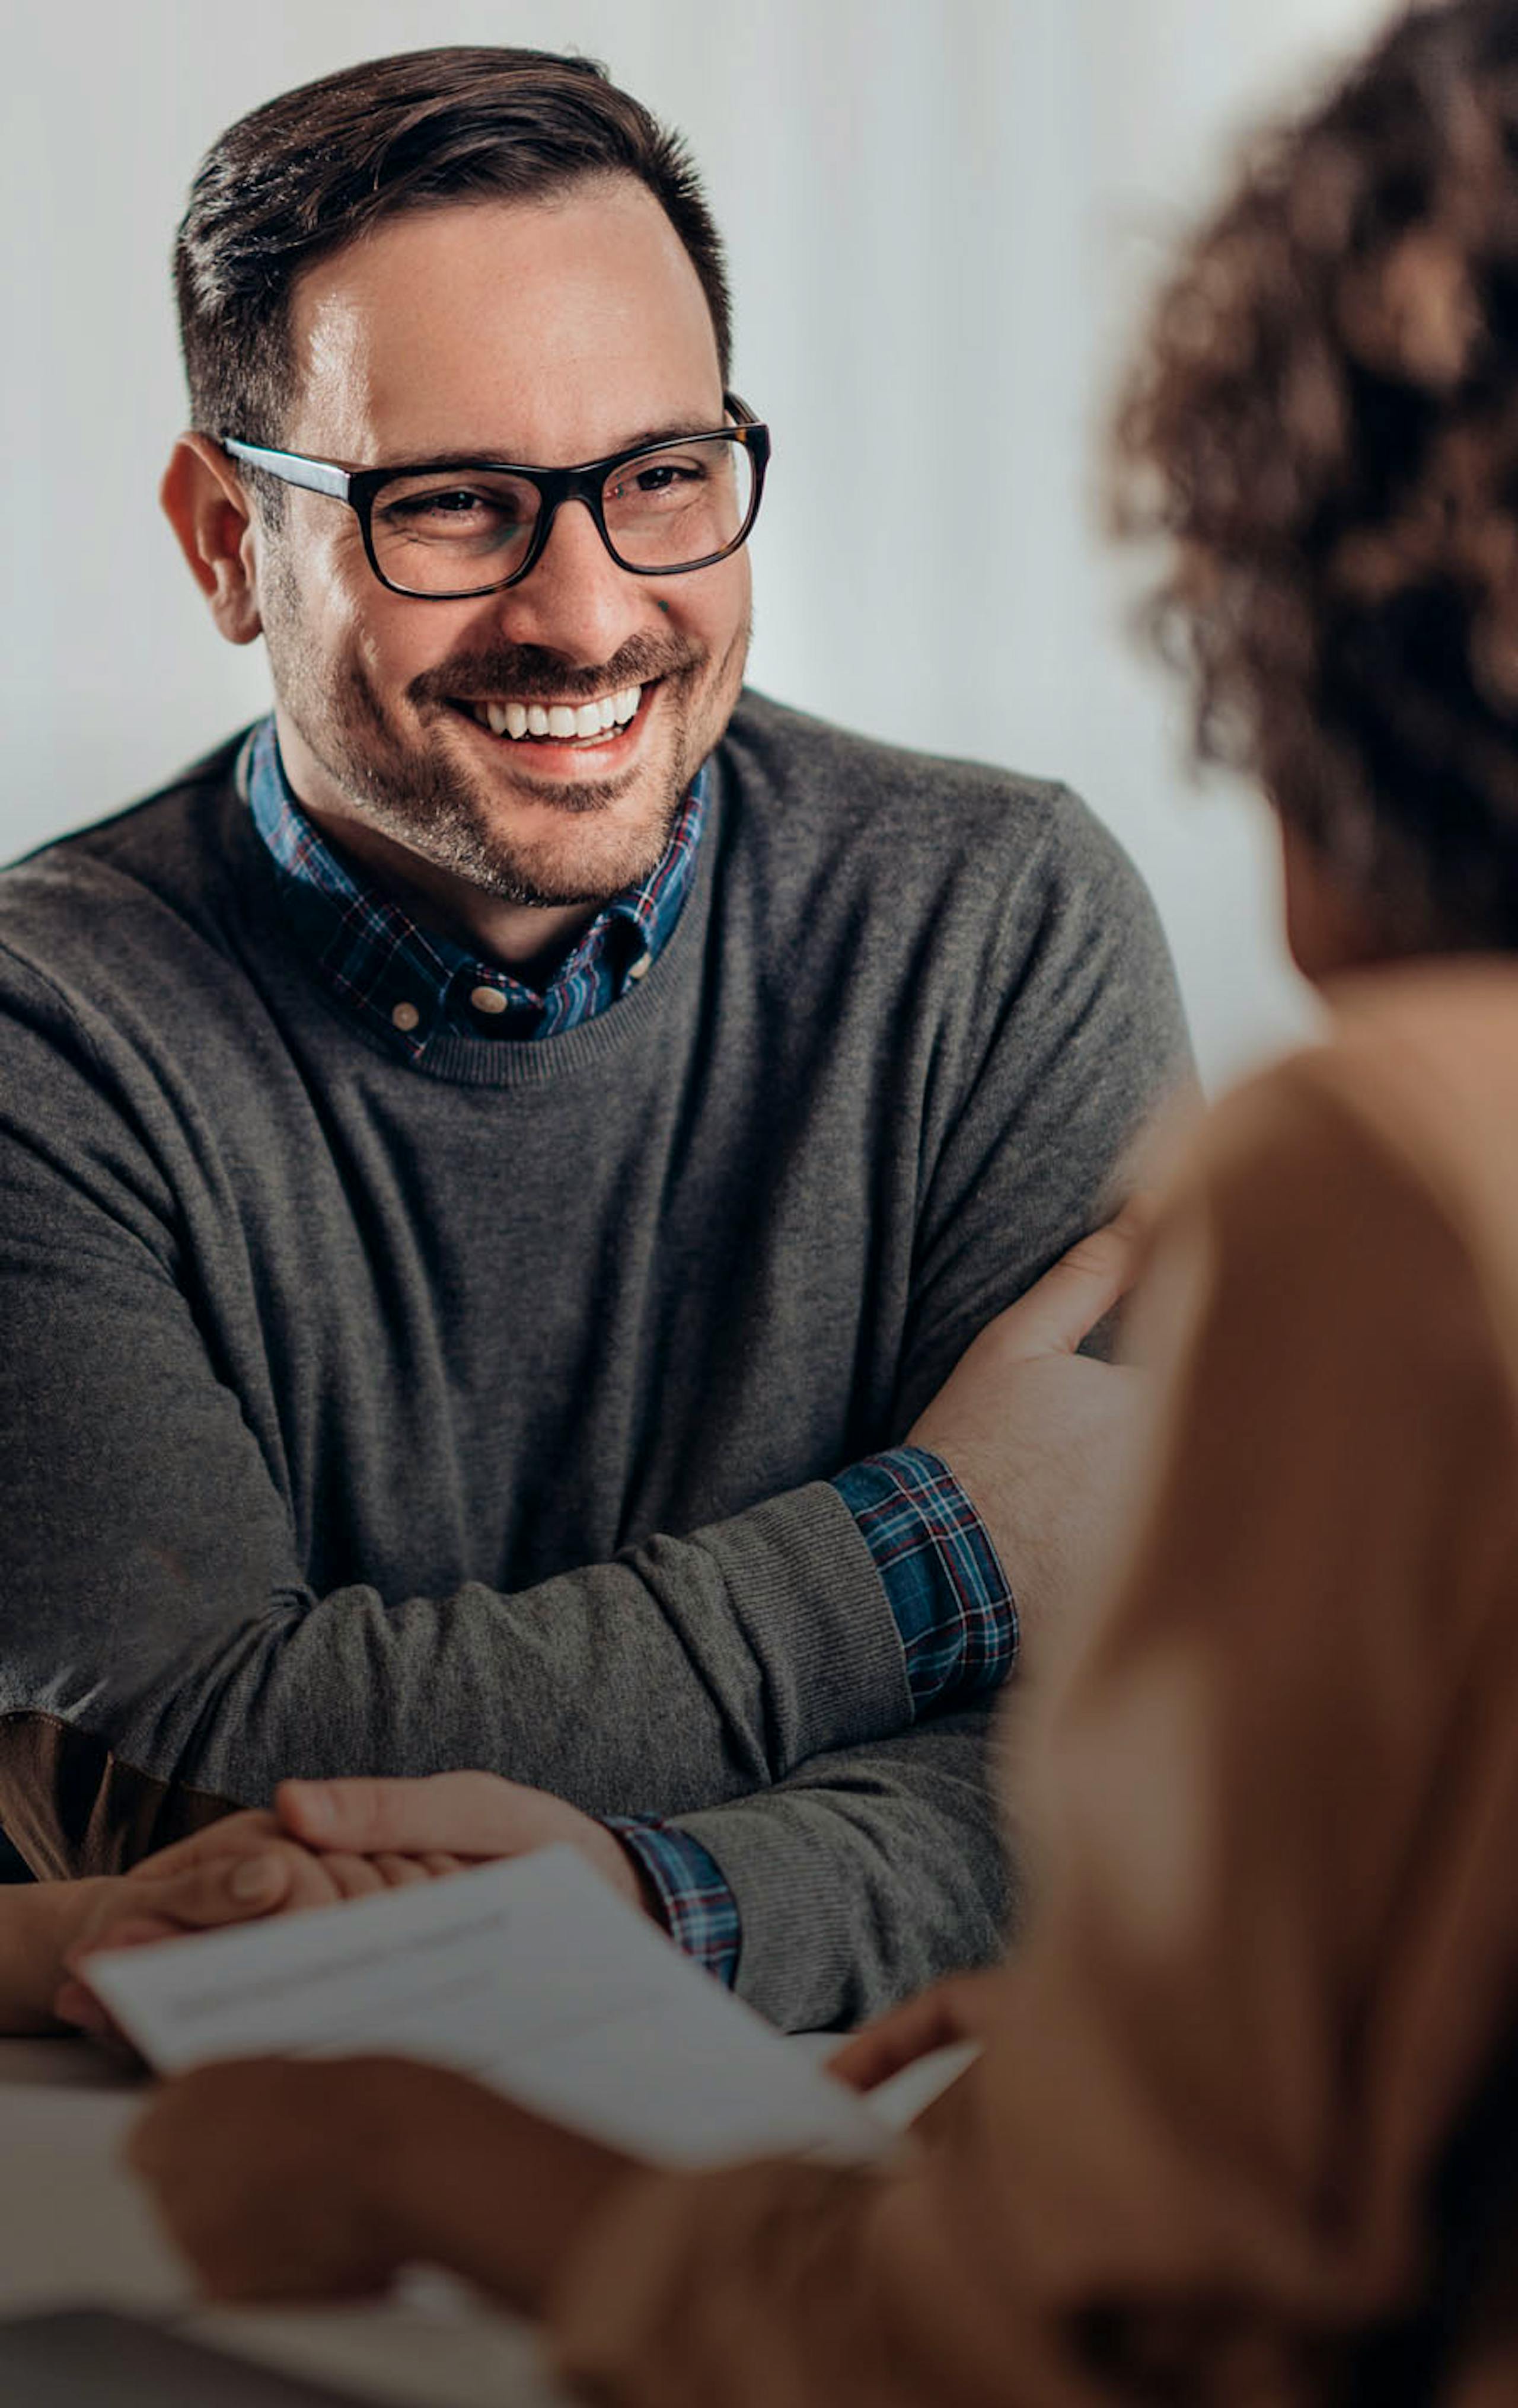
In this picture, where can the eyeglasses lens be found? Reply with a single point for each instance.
(466, 530)
(682, 504)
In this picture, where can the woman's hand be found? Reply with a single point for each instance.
(234, 1870)
(46, 1927)
(300, 2179)
(950, 2013)
(270, 2174)
(324, 1841)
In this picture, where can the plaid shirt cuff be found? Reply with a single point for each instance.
(944, 1583)
(700, 1911)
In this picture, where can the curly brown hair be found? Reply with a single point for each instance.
(1324, 425)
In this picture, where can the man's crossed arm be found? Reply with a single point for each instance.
(804, 1710)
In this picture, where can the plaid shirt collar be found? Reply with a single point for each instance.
(411, 986)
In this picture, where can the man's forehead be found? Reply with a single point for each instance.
(574, 321)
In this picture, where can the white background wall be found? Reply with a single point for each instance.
(941, 218)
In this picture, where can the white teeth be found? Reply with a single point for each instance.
(561, 720)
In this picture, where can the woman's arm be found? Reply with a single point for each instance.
(37, 1925)
(1271, 1790)
(350, 2168)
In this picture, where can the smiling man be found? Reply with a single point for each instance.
(504, 1163)
(508, 766)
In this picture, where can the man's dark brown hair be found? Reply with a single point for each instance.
(316, 168)
(1324, 426)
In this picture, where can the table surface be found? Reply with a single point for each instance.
(75, 2227)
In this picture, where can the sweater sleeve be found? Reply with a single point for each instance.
(164, 1654)
(866, 1874)
(959, 1631)
(1071, 1042)
(1272, 1788)
(869, 1872)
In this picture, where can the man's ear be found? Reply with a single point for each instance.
(210, 512)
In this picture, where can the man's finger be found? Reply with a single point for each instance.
(467, 1814)
(1062, 1308)
(399, 1872)
(353, 1873)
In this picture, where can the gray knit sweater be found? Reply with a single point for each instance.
(361, 1416)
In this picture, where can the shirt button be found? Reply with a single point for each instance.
(405, 1017)
(639, 968)
(488, 998)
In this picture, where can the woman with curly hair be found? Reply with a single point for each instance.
(1244, 2119)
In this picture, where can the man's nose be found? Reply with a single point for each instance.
(574, 600)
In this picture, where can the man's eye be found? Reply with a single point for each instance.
(657, 480)
(455, 503)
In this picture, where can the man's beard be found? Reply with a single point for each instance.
(440, 808)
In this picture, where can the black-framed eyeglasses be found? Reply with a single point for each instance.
(448, 531)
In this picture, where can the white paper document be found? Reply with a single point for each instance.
(531, 1975)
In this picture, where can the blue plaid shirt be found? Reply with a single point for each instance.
(409, 986)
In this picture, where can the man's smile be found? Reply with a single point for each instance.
(583, 721)
(554, 735)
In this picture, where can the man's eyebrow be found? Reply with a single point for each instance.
(680, 431)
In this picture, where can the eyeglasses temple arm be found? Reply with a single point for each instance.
(315, 476)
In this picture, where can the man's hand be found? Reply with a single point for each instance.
(463, 1814)
(1039, 1437)
(311, 1879)
(294, 2180)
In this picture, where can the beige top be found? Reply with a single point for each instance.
(1273, 1794)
